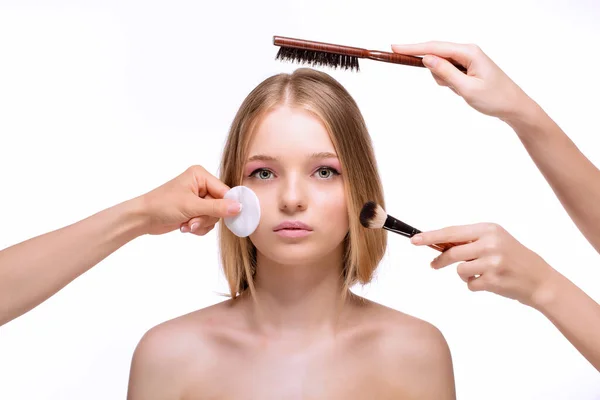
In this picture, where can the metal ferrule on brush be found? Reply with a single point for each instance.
(395, 225)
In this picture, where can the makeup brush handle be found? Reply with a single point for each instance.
(443, 246)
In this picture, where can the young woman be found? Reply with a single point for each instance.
(293, 328)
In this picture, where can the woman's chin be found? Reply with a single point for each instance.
(291, 255)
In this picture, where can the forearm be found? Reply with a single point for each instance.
(34, 270)
(574, 313)
(572, 177)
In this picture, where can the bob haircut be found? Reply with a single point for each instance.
(323, 96)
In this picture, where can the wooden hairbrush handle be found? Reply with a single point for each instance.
(397, 58)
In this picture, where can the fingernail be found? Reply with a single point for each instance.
(416, 239)
(430, 61)
(194, 226)
(234, 208)
(184, 229)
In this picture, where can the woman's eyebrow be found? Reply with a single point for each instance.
(264, 157)
(324, 154)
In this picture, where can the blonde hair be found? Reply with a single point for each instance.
(328, 100)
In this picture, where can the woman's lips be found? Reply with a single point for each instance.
(293, 229)
(293, 233)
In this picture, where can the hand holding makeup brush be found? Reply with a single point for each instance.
(495, 261)
(503, 265)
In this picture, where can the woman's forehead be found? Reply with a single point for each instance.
(286, 130)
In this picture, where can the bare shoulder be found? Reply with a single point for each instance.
(169, 352)
(409, 347)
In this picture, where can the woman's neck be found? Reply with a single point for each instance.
(297, 300)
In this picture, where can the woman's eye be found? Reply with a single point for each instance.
(326, 172)
(262, 174)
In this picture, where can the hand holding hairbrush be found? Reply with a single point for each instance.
(335, 55)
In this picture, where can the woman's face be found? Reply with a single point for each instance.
(294, 170)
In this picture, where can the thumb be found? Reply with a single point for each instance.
(218, 208)
(446, 71)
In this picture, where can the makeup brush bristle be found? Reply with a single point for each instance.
(372, 215)
(317, 58)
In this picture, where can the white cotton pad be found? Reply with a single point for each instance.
(246, 221)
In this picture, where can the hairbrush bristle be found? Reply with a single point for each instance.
(318, 58)
(372, 216)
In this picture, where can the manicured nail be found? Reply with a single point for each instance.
(234, 208)
(194, 226)
(416, 239)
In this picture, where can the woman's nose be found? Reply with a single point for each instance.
(293, 195)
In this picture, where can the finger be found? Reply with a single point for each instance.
(442, 82)
(439, 80)
(217, 208)
(203, 231)
(465, 252)
(447, 72)
(461, 53)
(470, 269)
(456, 234)
(201, 222)
(476, 284)
(208, 183)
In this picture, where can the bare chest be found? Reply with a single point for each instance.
(320, 373)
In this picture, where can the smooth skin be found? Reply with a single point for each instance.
(34, 270)
(492, 259)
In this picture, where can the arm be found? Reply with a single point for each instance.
(572, 177)
(34, 270)
(505, 267)
(486, 88)
(574, 313)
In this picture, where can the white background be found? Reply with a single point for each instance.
(103, 101)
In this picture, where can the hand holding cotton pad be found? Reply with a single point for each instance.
(246, 221)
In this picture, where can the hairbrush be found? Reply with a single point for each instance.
(373, 216)
(335, 55)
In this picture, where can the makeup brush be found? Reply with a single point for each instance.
(373, 216)
(335, 55)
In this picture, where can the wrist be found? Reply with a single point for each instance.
(525, 115)
(133, 217)
(547, 293)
